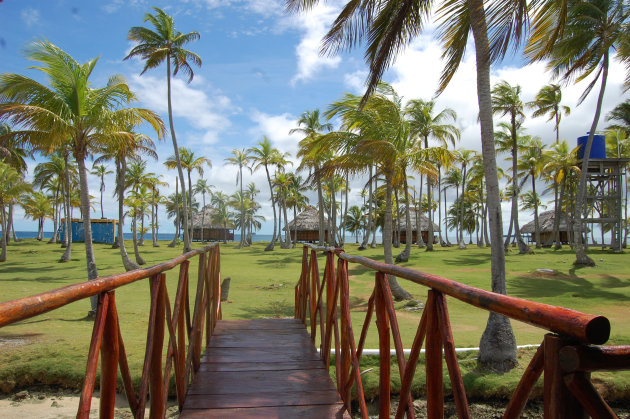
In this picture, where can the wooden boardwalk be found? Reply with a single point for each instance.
(262, 369)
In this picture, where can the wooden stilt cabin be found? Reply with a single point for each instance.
(424, 229)
(545, 223)
(307, 226)
(211, 231)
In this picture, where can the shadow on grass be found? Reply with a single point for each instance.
(274, 309)
(532, 287)
(462, 260)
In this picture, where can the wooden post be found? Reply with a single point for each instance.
(435, 385)
(314, 291)
(524, 388)
(560, 403)
(382, 323)
(158, 403)
(109, 360)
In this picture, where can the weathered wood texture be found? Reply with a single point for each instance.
(262, 369)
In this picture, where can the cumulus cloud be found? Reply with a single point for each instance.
(204, 110)
(276, 128)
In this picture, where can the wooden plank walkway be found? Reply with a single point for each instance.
(262, 369)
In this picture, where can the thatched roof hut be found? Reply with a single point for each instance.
(424, 228)
(545, 223)
(211, 231)
(307, 223)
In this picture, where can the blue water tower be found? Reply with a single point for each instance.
(598, 149)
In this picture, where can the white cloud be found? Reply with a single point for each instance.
(356, 81)
(314, 25)
(276, 128)
(205, 111)
(30, 16)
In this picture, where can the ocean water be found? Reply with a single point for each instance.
(167, 236)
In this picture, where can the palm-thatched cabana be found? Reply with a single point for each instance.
(307, 223)
(424, 228)
(545, 222)
(211, 231)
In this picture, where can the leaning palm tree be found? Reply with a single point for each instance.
(592, 30)
(531, 164)
(70, 108)
(241, 159)
(620, 115)
(166, 44)
(265, 155)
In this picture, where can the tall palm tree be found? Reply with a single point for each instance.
(154, 181)
(390, 26)
(310, 126)
(187, 159)
(203, 187)
(425, 125)
(70, 108)
(531, 164)
(506, 100)
(266, 155)
(101, 171)
(241, 159)
(296, 199)
(547, 102)
(166, 44)
(221, 215)
(592, 30)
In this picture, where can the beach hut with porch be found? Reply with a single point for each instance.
(424, 228)
(211, 231)
(545, 222)
(307, 223)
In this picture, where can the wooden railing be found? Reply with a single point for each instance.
(565, 356)
(185, 334)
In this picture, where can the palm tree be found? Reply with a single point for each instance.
(547, 102)
(531, 163)
(241, 159)
(186, 159)
(101, 171)
(310, 126)
(51, 115)
(265, 155)
(296, 199)
(425, 125)
(129, 151)
(221, 214)
(12, 185)
(14, 154)
(506, 100)
(621, 116)
(203, 187)
(166, 44)
(38, 206)
(592, 29)
(153, 182)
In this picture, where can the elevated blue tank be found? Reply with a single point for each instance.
(598, 149)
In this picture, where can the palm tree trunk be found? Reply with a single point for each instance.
(419, 238)
(398, 292)
(87, 225)
(368, 227)
(536, 223)
(141, 241)
(345, 213)
(374, 227)
(134, 232)
(121, 169)
(404, 255)
(190, 206)
(498, 345)
(3, 239)
(581, 258)
(54, 237)
(448, 242)
(174, 241)
(272, 244)
(430, 204)
(294, 227)
(153, 219)
(320, 201)
(182, 182)
(242, 241)
(439, 188)
(203, 216)
(68, 214)
(287, 233)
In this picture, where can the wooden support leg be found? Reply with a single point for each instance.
(382, 323)
(560, 403)
(109, 360)
(158, 403)
(435, 385)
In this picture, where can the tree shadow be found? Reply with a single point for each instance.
(273, 309)
(477, 259)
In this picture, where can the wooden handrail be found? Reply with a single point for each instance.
(565, 357)
(34, 305)
(185, 336)
(586, 328)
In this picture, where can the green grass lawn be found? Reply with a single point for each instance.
(52, 348)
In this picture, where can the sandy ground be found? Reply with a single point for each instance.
(59, 405)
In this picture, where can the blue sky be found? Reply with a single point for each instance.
(261, 69)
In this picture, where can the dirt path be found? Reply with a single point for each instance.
(47, 404)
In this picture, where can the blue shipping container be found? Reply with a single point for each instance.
(103, 230)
